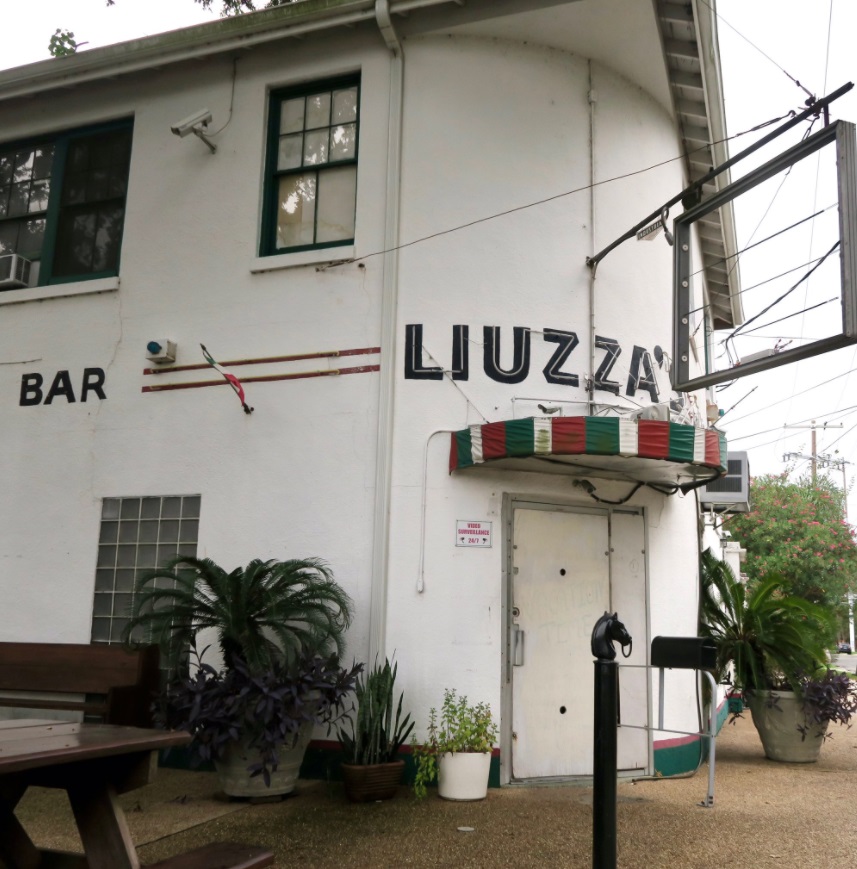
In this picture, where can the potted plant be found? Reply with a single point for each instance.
(255, 725)
(279, 626)
(457, 751)
(769, 639)
(372, 738)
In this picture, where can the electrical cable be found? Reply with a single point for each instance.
(765, 55)
(791, 289)
(788, 317)
(548, 199)
(788, 398)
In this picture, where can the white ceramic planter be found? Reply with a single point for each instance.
(463, 776)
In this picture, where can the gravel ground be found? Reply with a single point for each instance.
(765, 814)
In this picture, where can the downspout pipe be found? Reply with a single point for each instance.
(389, 307)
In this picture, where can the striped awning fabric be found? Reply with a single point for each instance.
(569, 436)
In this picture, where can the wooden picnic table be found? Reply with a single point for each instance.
(93, 763)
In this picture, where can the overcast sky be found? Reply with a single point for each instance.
(811, 42)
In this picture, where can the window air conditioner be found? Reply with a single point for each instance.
(731, 492)
(14, 272)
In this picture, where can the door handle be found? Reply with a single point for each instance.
(517, 646)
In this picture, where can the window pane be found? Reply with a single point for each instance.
(344, 106)
(74, 188)
(43, 161)
(172, 508)
(291, 150)
(7, 164)
(75, 243)
(110, 508)
(151, 508)
(109, 532)
(98, 185)
(31, 237)
(343, 142)
(315, 148)
(147, 556)
(8, 237)
(103, 605)
(296, 210)
(107, 238)
(126, 556)
(292, 116)
(39, 196)
(189, 530)
(190, 506)
(148, 532)
(106, 556)
(23, 168)
(317, 111)
(128, 532)
(19, 197)
(169, 531)
(104, 580)
(124, 580)
(100, 630)
(4, 200)
(336, 204)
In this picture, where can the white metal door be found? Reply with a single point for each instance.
(560, 588)
(561, 585)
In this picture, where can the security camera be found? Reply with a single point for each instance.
(192, 123)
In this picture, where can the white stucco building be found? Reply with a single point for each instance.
(388, 245)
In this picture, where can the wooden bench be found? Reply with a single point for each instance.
(114, 684)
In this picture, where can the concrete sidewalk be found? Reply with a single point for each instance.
(765, 814)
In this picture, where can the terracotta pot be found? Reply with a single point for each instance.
(463, 775)
(777, 716)
(365, 783)
(236, 781)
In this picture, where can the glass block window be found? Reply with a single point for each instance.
(62, 202)
(137, 535)
(312, 167)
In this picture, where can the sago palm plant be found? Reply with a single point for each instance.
(264, 612)
(769, 635)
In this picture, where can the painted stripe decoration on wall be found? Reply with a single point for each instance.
(587, 435)
(263, 362)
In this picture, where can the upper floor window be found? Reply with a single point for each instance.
(62, 205)
(311, 177)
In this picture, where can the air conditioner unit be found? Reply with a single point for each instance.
(731, 492)
(14, 272)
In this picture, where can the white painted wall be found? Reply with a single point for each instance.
(489, 126)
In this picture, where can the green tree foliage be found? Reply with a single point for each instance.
(235, 7)
(63, 43)
(797, 530)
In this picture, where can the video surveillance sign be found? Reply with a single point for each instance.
(469, 533)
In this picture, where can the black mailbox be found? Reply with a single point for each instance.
(684, 653)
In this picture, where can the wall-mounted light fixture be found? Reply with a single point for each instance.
(161, 351)
(197, 123)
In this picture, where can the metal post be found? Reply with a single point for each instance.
(607, 629)
(604, 768)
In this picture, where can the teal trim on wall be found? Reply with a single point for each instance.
(680, 759)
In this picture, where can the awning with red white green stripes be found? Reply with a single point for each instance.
(639, 450)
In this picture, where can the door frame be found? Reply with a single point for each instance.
(512, 502)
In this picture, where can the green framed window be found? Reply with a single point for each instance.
(311, 179)
(62, 202)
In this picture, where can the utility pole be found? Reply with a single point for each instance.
(813, 457)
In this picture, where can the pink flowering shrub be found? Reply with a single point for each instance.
(798, 530)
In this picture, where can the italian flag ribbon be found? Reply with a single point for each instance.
(231, 379)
